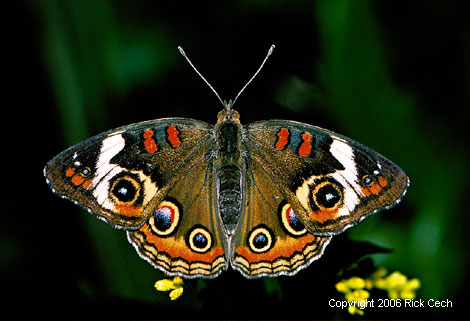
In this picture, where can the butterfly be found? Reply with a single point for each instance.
(194, 199)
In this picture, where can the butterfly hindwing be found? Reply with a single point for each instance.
(269, 239)
(184, 236)
(331, 181)
(122, 174)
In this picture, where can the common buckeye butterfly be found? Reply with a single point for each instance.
(264, 198)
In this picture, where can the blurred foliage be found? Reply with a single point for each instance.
(359, 79)
(391, 75)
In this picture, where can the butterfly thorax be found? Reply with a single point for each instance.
(228, 167)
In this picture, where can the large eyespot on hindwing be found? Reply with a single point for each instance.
(165, 219)
(327, 195)
(199, 239)
(261, 239)
(290, 222)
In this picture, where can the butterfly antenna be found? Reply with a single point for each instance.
(270, 51)
(200, 75)
(228, 105)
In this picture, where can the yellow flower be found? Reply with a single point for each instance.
(396, 284)
(353, 289)
(350, 284)
(342, 287)
(407, 291)
(175, 286)
(357, 295)
(359, 298)
(396, 280)
(176, 293)
(356, 283)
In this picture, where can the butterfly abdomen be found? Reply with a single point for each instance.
(229, 185)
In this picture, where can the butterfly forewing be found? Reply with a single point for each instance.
(122, 175)
(331, 181)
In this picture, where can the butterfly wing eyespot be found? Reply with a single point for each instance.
(199, 239)
(165, 219)
(261, 239)
(290, 222)
(327, 195)
(367, 180)
(125, 193)
(125, 190)
(323, 197)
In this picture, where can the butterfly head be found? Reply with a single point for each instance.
(228, 114)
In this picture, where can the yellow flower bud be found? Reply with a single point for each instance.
(395, 280)
(407, 295)
(413, 284)
(176, 293)
(341, 287)
(175, 286)
(165, 285)
(380, 284)
(356, 283)
(360, 295)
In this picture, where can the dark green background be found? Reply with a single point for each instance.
(393, 75)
